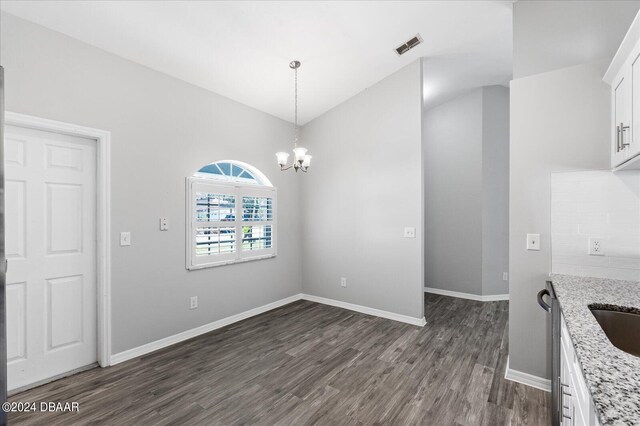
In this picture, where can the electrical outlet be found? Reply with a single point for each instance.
(596, 247)
(505, 276)
(409, 232)
(125, 238)
(343, 282)
(193, 302)
(533, 242)
(164, 223)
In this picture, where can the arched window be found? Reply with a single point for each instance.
(232, 215)
(233, 171)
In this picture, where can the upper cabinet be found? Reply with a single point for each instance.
(624, 77)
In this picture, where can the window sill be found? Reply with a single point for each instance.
(230, 262)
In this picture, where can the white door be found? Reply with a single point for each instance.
(51, 251)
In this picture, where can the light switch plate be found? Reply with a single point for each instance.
(409, 232)
(533, 242)
(164, 223)
(125, 238)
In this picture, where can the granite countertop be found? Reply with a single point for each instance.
(612, 376)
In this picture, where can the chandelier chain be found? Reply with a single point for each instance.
(301, 160)
(295, 123)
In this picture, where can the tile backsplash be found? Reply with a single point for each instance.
(596, 204)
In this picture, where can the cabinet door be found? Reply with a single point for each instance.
(634, 140)
(621, 116)
(567, 398)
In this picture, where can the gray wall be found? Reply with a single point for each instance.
(495, 189)
(549, 35)
(162, 130)
(559, 121)
(466, 171)
(453, 194)
(366, 186)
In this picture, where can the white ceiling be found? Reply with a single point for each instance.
(242, 49)
(553, 35)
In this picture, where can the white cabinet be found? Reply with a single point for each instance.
(633, 149)
(567, 407)
(577, 407)
(624, 77)
(621, 111)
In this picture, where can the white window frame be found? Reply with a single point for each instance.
(238, 190)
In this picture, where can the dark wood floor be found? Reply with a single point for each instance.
(307, 363)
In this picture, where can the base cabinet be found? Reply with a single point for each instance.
(577, 407)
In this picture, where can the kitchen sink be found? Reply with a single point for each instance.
(622, 329)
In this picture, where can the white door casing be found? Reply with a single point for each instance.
(51, 249)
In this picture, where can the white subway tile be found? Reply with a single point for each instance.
(596, 204)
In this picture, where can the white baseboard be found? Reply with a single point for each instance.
(487, 298)
(188, 334)
(527, 379)
(420, 322)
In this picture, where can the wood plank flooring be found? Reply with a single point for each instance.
(307, 363)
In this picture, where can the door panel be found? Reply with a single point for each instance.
(634, 148)
(64, 214)
(51, 236)
(64, 157)
(17, 318)
(621, 118)
(64, 309)
(14, 151)
(16, 236)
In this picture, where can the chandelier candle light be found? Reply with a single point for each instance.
(302, 160)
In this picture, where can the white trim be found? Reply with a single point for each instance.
(527, 379)
(189, 334)
(103, 219)
(194, 332)
(487, 298)
(420, 322)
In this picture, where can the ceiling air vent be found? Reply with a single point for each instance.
(407, 46)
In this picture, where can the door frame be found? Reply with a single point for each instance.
(103, 215)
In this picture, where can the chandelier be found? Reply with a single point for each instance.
(301, 160)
